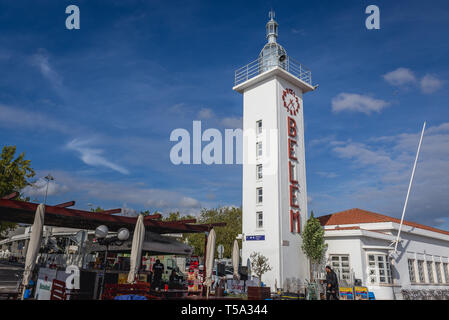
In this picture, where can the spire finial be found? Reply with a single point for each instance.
(272, 27)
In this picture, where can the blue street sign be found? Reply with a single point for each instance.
(255, 238)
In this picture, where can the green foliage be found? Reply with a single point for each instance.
(313, 241)
(14, 173)
(176, 216)
(259, 265)
(224, 235)
(97, 209)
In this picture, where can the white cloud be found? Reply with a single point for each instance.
(381, 171)
(430, 84)
(400, 77)
(93, 157)
(232, 122)
(362, 154)
(129, 194)
(330, 175)
(39, 188)
(205, 113)
(41, 61)
(357, 103)
(15, 117)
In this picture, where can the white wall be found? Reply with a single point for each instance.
(263, 101)
(414, 246)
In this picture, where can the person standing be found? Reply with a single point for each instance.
(331, 284)
(158, 270)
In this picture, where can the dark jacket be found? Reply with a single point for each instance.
(158, 269)
(331, 278)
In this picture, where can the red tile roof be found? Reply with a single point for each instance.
(356, 216)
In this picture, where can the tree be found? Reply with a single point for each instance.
(224, 235)
(313, 244)
(259, 265)
(13, 177)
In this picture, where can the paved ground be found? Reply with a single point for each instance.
(8, 279)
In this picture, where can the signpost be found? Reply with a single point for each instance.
(220, 250)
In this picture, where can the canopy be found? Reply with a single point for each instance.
(34, 244)
(236, 260)
(209, 263)
(136, 249)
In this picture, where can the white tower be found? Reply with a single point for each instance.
(274, 172)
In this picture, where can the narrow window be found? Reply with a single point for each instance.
(259, 194)
(446, 271)
(411, 270)
(259, 217)
(259, 127)
(438, 269)
(430, 271)
(259, 174)
(421, 271)
(259, 148)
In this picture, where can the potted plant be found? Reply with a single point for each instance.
(259, 266)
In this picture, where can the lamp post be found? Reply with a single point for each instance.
(101, 233)
(48, 178)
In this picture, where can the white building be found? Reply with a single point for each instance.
(361, 246)
(274, 199)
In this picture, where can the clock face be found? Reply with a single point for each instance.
(291, 101)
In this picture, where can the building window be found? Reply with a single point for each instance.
(446, 271)
(259, 195)
(379, 268)
(421, 271)
(259, 148)
(411, 270)
(259, 174)
(259, 127)
(430, 271)
(340, 264)
(259, 216)
(438, 269)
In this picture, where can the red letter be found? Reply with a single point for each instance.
(293, 190)
(290, 175)
(291, 124)
(291, 144)
(294, 215)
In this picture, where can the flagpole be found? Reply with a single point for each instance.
(409, 188)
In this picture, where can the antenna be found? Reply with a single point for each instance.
(271, 14)
(409, 188)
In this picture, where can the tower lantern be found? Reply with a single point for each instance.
(274, 193)
(272, 28)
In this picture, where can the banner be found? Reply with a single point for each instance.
(361, 293)
(346, 293)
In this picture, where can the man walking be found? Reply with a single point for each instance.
(158, 270)
(331, 284)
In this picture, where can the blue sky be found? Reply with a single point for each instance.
(95, 107)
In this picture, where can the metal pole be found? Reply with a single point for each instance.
(46, 192)
(204, 260)
(104, 270)
(409, 188)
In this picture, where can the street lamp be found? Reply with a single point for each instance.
(48, 178)
(101, 233)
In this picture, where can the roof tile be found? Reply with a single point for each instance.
(356, 216)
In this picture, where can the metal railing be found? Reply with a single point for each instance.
(263, 64)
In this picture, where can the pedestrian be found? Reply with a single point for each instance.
(158, 270)
(173, 282)
(331, 284)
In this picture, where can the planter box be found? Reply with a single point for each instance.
(259, 293)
